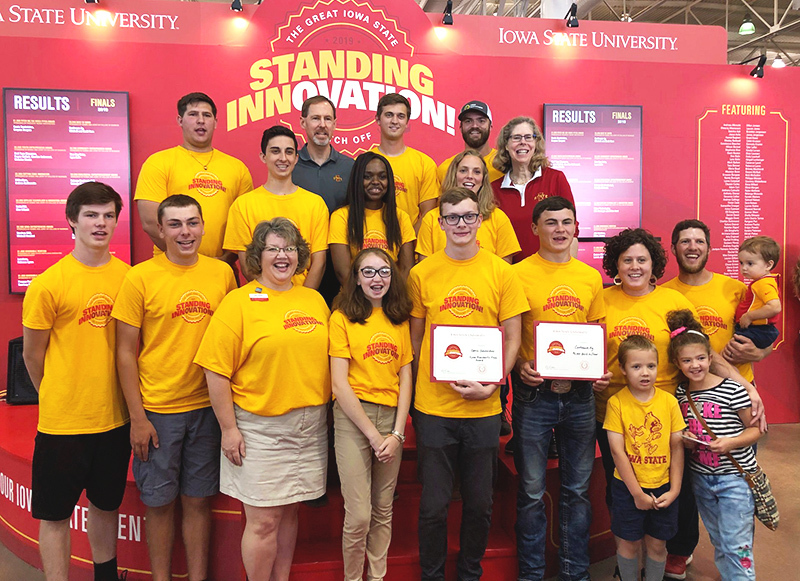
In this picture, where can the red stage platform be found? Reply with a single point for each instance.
(318, 555)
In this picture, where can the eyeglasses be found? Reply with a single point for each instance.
(369, 272)
(528, 138)
(275, 250)
(454, 219)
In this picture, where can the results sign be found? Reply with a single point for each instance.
(55, 141)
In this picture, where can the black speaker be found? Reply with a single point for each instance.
(20, 388)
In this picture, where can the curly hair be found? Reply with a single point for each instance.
(618, 244)
(502, 161)
(357, 308)
(356, 197)
(283, 228)
(486, 201)
(692, 333)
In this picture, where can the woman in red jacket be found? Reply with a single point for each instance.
(528, 179)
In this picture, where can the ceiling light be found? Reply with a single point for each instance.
(447, 15)
(572, 16)
(92, 1)
(626, 17)
(236, 6)
(747, 26)
(778, 62)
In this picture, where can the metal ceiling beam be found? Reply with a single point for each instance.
(766, 36)
(648, 9)
(681, 11)
(751, 9)
(614, 12)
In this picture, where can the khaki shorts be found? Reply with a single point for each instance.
(286, 458)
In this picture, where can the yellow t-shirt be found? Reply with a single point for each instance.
(79, 393)
(495, 235)
(441, 171)
(275, 351)
(647, 427)
(483, 291)
(172, 305)
(304, 209)
(179, 171)
(646, 316)
(716, 303)
(568, 292)
(374, 230)
(376, 350)
(414, 180)
(764, 289)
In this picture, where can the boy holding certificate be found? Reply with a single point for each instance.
(458, 424)
(560, 289)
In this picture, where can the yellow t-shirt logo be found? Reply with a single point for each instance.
(461, 301)
(206, 184)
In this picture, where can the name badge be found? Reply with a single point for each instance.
(259, 295)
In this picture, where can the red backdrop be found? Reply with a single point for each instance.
(158, 51)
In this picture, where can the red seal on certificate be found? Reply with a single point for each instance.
(452, 351)
(556, 348)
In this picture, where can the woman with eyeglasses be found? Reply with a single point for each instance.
(370, 351)
(528, 179)
(371, 218)
(266, 364)
(495, 234)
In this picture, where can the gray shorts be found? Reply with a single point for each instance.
(186, 461)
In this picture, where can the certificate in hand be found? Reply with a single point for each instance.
(570, 350)
(462, 352)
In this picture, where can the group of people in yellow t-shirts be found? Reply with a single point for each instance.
(227, 388)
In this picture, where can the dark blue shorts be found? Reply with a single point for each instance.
(762, 336)
(631, 524)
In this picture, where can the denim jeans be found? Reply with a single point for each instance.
(444, 445)
(726, 507)
(535, 412)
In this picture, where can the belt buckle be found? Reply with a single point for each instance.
(561, 385)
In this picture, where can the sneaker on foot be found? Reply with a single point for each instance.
(676, 566)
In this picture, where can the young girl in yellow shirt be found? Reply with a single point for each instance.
(370, 350)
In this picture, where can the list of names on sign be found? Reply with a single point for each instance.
(741, 178)
(599, 149)
(55, 141)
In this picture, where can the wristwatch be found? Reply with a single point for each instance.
(399, 436)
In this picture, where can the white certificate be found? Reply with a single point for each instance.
(570, 350)
(463, 352)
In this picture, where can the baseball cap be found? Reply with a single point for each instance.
(478, 107)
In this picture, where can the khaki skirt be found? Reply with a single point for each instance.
(286, 458)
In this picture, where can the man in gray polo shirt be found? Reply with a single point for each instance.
(320, 168)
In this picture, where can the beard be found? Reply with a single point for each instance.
(473, 141)
(683, 267)
(321, 140)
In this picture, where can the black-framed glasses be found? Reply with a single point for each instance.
(369, 272)
(454, 219)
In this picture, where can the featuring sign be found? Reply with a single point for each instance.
(570, 350)
(742, 185)
(463, 352)
(55, 141)
(599, 148)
